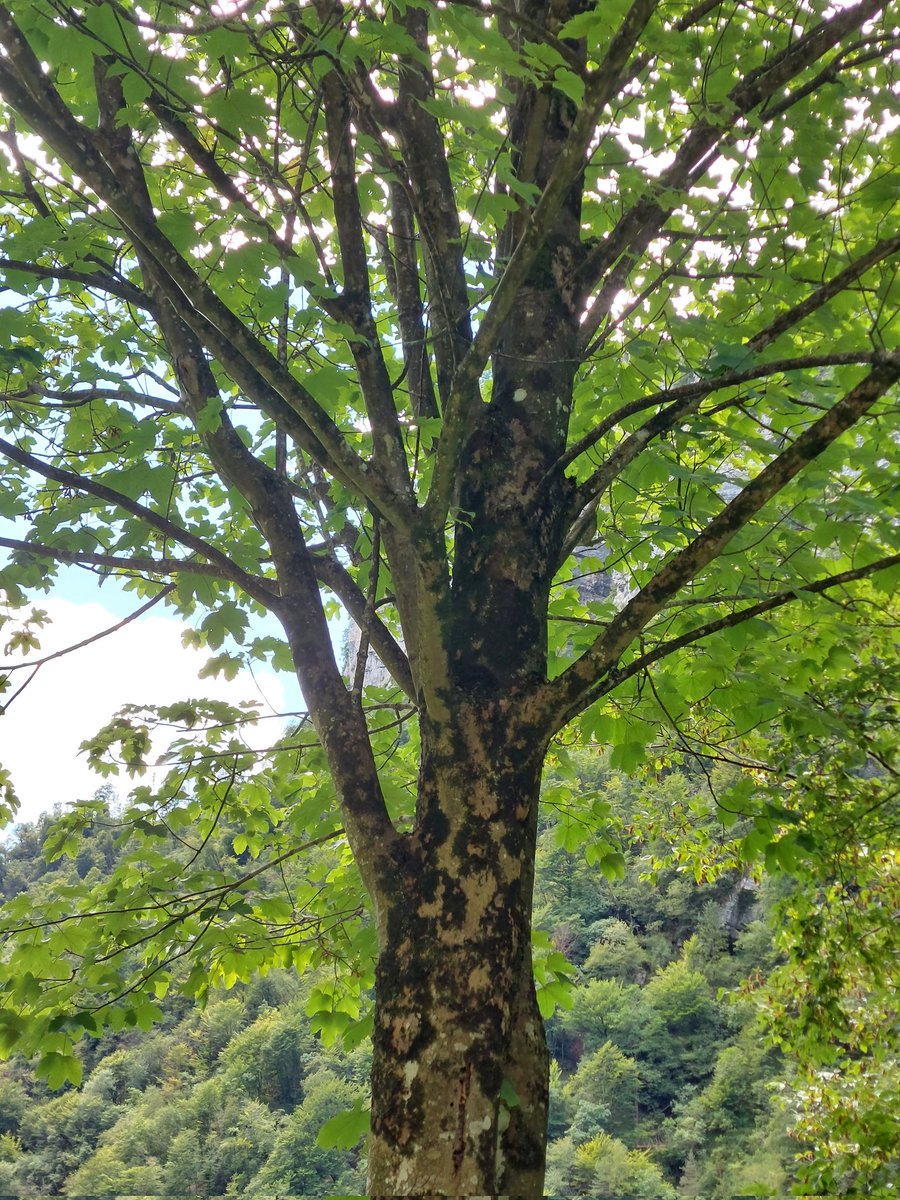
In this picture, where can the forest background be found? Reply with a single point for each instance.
(675, 989)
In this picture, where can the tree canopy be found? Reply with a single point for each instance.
(437, 313)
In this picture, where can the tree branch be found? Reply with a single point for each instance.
(336, 577)
(817, 587)
(339, 722)
(234, 13)
(121, 562)
(356, 300)
(106, 283)
(35, 665)
(567, 695)
(433, 199)
(882, 250)
(229, 570)
(410, 310)
(536, 29)
(75, 398)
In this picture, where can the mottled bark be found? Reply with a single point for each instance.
(459, 1075)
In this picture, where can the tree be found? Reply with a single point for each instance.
(831, 1003)
(405, 304)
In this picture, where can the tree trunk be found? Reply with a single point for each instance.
(459, 1076)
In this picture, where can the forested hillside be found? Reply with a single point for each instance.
(662, 1085)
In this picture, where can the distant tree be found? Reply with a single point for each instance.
(394, 308)
(610, 1079)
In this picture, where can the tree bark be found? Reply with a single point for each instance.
(460, 1069)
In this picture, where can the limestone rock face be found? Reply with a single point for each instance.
(596, 585)
(377, 674)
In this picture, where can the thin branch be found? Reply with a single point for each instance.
(799, 592)
(676, 396)
(96, 637)
(123, 563)
(230, 570)
(687, 402)
(228, 886)
(30, 191)
(882, 250)
(365, 629)
(75, 398)
(36, 665)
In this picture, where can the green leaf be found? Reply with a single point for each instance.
(59, 1069)
(345, 1130)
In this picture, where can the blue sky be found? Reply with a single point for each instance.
(70, 698)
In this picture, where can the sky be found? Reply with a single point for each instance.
(71, 698)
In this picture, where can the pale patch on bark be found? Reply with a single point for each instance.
(410, 1071)
(404, 1031)
(479, 979)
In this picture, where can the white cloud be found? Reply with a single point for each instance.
(72, 697)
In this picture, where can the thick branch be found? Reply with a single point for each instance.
(336, 577)
(570, 692)
(356, 300)
(339, 722)
(570, 163)
(535, 30)
(105, 283)
(434, 200)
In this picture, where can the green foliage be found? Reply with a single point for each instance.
(610, 1079)
(604, 1166)
(228, 920)
(831, 1005)
(833, 1010)
(617, 953)
(303, 1163)
(248, 1094)
(255, 1099)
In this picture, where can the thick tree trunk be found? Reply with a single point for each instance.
(459, 1079)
